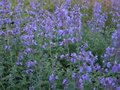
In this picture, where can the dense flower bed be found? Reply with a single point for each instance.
(72, 47)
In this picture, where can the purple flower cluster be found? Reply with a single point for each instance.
(114, 51)
(116, 11)
(116, 68)
(111, 62)
(99, 18)
(116, 37)
(30, 65)
(55, 40)
(52, 79)
(108, 83)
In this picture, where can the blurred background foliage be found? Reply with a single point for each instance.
(50, 4)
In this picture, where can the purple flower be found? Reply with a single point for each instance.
(116, 11)
(28, 40)
(116, 68)
(109, 65)
(48, 24)
(108, 82)
(62, 56)
(29, 71)
(61, 32)
(81, 69)
(20, 56)
(62, 18)
(98, 21)
(97, 9)
(76, 18)
(19, 63)
(74, 75)
(118, 88)
(85, 77)
(28, 51)
(97, 67)
(30, 66)
(73, 60)
(116, 38)
(16, 30)
(65, 82)
(2, 33)
(27, 37)
(80, 84)
(7, 47)
(52, 78)
(109, 52)
(31, 63)
(88, 69)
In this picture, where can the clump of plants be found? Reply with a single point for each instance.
(71, 46)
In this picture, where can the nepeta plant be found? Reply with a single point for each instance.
(44, 50)
(115, 11)
(99, 18)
